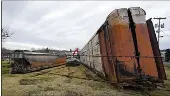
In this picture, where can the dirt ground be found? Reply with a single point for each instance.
(64, 81)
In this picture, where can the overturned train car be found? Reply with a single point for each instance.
(24, 62)
(125, 49)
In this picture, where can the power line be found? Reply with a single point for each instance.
(165, 34)
(166, 30)
(166, 13)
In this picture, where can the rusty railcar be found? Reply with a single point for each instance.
(24, 62)
(125, 49)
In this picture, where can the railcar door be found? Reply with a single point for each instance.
(122, 45)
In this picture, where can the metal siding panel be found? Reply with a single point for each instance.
(86, 57)
(90, 54)
(121, 41)
(96, 52)
(111, 60)
(82, 58)
(148, 65)
(106, 66)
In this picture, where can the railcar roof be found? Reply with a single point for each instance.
(106, 21)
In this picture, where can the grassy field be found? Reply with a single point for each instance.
(64, 81)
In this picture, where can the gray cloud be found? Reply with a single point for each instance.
(67, 24)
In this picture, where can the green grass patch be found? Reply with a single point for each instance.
(4, 62)
(167, 66)
(5, 67)
(5, 70)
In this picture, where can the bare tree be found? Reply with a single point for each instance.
(5, 33)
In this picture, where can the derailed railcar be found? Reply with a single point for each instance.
(122, 50)
(24, 62)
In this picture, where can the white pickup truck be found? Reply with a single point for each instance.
(72, 61)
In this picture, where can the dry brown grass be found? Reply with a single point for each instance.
(71, 93)
(57, 82)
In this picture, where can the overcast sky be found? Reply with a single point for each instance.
(68, 24)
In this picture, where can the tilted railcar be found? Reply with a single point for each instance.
(125, 48)
(24, 62)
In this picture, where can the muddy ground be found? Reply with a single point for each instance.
(64, 81)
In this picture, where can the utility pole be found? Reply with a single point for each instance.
(159, 27)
